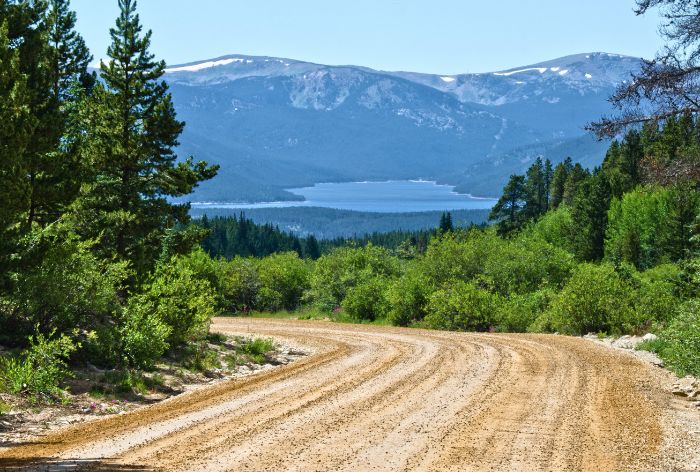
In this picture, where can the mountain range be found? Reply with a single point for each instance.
(274, 124)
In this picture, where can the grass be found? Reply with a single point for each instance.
(5, 408)
(125, 381)
(255, 349)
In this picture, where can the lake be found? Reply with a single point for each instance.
(399, 196)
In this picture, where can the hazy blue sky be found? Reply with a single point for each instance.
(440, 36)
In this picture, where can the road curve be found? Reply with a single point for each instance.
(373, 398)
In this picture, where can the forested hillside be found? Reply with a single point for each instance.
(88, 245)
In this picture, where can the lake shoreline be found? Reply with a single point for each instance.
(390, 196)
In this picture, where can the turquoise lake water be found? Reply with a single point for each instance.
(403, 196)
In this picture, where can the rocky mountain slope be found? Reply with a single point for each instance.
(276, 123)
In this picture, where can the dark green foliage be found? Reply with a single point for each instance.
(537, 189)
(589, 213)
(574, 179)
(446, 223)
(15, 131)
(559, 178)
(596, 299)
(622, 164)
(131, 152)
(651, 226)
(283, 280)
(239, 236)
(509, 208)
(679, 344)
(461, 306)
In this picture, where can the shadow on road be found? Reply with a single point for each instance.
(51, 465)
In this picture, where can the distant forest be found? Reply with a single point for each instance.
(232, 236)
(328, 223)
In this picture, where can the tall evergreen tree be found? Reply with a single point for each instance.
(574, 179)
(15, 129)
(548, 178)
(557, 186)
(536, 190)
(508, 211)
(589, 211)
(446, 225)
(622, 164)
(133, 134)
(54, 179)
(311, 249)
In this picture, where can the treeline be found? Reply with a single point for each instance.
(328, 224)
(88, 240)
(229, 237)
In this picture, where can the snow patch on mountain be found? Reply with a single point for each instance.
(541, 70)
(206, 65)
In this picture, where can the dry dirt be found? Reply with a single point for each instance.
(372, 398)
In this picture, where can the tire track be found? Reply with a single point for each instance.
(373, 398)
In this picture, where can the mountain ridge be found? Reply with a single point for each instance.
(276, 123)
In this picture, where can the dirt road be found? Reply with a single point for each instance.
(374, 398)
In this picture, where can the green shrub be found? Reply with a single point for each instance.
(407, 298)
(649, 226)
(344, 268)
(366, 300)
(458, 256)
(256, 349)
(68, 287)
(269, 299)
(239, 284)
(180, 299)
(142, 336)
(525, 265)
(461, 306)
(679, 344)
(555, 228)
(657, 300)
(519, 313)
(286, 277)
(596, 299)
(40, 369)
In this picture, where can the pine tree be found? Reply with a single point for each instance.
(15, 130)
(446, 225)
(133, 134)
(548, 177)
(589, 211)
(576, 176)
(561, 174)
(54, 178)
(535, 191)
(311, 249)
(508, 211)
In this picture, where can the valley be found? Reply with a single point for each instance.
(273, 124)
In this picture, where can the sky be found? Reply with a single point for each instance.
(435, 36)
